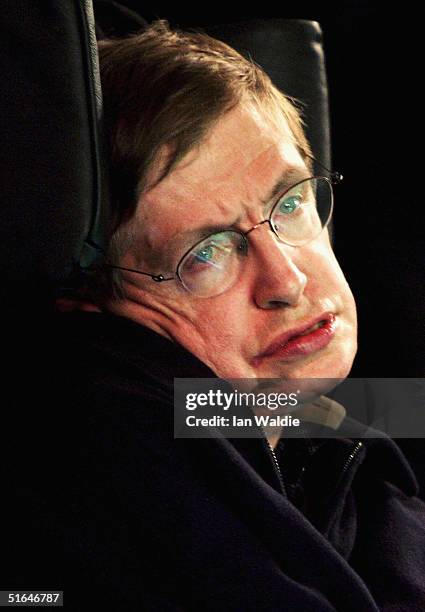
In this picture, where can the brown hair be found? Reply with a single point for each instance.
(164, 87)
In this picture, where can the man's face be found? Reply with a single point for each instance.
(257, 328)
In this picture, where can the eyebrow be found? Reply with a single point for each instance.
(290, 177)
(199, 233)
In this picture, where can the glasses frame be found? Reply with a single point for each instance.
(334, 178)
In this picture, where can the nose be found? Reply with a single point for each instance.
(278, 281)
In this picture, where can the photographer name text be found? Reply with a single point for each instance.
(260, 420)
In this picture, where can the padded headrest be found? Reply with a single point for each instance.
(54, 207)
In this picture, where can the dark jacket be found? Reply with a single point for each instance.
(105, 504)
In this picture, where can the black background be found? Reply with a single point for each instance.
(375, 64)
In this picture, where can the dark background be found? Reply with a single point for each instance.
(375, 63)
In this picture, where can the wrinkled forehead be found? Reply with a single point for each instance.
(247, 123)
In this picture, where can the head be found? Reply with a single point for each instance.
(201, 139)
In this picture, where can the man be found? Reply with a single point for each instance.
(218, 267)
(237, 155)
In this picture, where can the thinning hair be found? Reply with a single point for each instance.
(167, 88)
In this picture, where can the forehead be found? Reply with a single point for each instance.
(224, 179)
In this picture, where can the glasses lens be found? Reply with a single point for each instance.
(303, 211)
(213, 265)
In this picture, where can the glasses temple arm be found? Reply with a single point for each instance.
(335, 177)
(159, 278)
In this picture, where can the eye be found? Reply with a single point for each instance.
(290, 203)
(213, 257)
(210, 255)
(291, 210)
(213, 264)
(205, 254)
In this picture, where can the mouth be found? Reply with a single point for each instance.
(304, 340)
(313, 328)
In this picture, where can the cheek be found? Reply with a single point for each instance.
(323, 271)
(327, 282)
(222, 323)
(215, 331)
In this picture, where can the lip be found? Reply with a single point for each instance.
(292, 344)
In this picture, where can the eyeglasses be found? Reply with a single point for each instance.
(213, 265)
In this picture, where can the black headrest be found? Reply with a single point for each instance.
(54, 206)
